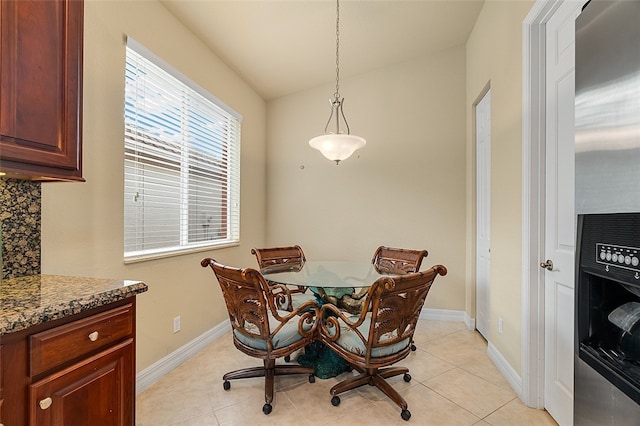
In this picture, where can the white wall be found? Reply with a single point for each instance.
(494, 56)
(82, 223)
(405, 188)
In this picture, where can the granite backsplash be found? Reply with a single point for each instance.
(20, 221)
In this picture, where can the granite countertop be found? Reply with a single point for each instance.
(36, 299)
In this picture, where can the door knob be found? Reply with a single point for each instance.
(548, 265)
(45, 403)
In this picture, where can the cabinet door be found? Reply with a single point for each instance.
(96, 391)
(41, 88)
(1, 400)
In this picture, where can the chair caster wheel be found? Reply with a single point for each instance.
(287, 358)
(266, 408)
(335, 401)
(413, 347)
(405, 414)
(312, 378)
(226, 385)
(407, 377)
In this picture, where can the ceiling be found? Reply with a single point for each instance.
(280, 47)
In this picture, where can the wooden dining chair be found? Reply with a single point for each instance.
(381, 334)
(259, 329)
(284, 259)
(390, 260)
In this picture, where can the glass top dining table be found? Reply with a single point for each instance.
(335, 277)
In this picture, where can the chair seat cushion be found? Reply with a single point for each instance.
(298, 299)
(286, 336)
(350, 341)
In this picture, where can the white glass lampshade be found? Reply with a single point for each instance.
(337, 147)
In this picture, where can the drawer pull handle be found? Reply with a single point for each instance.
(93, 336)
(45, 403)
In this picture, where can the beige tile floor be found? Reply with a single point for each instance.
(453, 383)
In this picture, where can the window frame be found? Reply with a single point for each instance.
(229, 212)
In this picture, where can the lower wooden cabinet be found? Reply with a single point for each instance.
(75, 371)
(91, 392)
(1, 400)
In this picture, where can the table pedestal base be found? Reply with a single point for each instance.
(326, 363)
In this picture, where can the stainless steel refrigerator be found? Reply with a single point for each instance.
(607, 166)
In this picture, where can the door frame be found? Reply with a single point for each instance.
(485, 90)
(533, 199)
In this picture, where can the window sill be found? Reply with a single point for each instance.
(181, 252)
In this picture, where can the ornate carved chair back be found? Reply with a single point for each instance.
(395, 304)
(398, 260)
(244, 295)
(279, 259)
(283, 259)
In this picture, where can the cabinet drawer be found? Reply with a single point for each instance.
(63, 344)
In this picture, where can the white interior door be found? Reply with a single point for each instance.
(560, 212)
(483, 212)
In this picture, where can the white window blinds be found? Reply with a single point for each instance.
(182, 162)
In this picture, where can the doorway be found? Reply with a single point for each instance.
(483, 212)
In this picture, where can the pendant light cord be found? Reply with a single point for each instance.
(337, 93)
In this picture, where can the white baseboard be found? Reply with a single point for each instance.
(512, 377)
(158, 369)
(469, 322)
(442, 315)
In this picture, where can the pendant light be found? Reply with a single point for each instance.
(337, 145)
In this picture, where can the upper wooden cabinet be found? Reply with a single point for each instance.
(41, 89)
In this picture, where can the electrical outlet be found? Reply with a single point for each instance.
(176, 324)
(499, 325)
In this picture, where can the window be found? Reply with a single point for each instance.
(182, 165)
